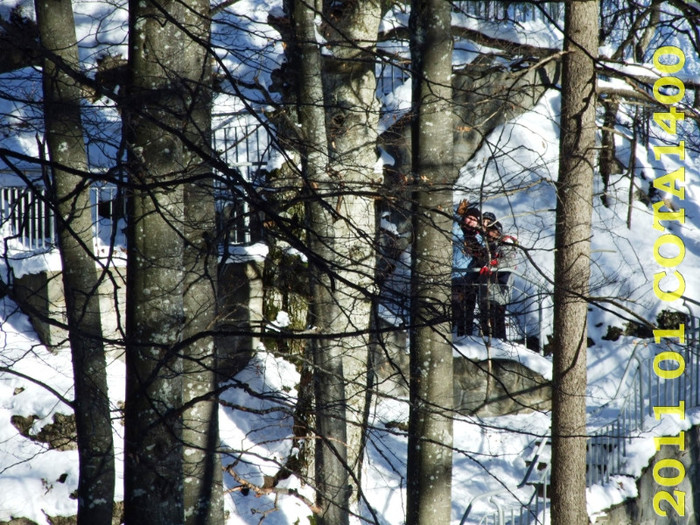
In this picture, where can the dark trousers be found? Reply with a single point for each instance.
(464, 291)
(493, 320)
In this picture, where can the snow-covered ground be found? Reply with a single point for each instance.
(490, 453)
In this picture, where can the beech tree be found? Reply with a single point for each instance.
(72, 201)
(337, 144)
(165, 72)
(429, 469)
(331, 475)
(352, 111)
(173, 471)
(572, 262)
(203, 483)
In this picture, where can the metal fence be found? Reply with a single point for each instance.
(27, 215)
(607, 446)
(391, 74)
(246, 145)
(524, 312)
(535, 509)
(515, 11)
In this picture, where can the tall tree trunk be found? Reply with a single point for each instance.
(64, 136)
(331, 442)
(429, 476)
(352, 114)
(161, 57)
(203, 496)
(572, 263)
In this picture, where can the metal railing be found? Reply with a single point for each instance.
(28, 220)
(533, 296)
(27, 215)
(535, 510)
(391, 74)
(607, 445)
(246, 145)
(528, 297)
(536, 507)
(515, 11)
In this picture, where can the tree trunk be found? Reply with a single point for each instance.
(161, 57)
(203, 496)
(64, 136)
(429, 476)
(572, 263)
(203, 483)
(607, 160)
(331, 443)
(352, 115)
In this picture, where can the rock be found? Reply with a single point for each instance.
(640, 510)
(59, 435)
(512, 387)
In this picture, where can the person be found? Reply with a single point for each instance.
(494, 278)
(467, 248)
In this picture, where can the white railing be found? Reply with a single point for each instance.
(27, 215)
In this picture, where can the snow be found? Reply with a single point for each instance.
(475, 349)
(29, 484)
(238, 253)
(29, 263)
(256, 429)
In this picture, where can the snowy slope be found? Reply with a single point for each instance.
(490, 452)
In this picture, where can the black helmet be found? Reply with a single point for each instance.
(488, 216)
(472, 211)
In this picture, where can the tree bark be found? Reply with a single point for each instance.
(352, 115)
(429, 476)
(203, 476)
(161, 57)
(331, 441)
(203, 496)
(572, 263)
(64, 136)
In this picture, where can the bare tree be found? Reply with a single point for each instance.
(72, 201)
(171, 428)
(352, 113)
(331, 445)
(429, 476)
(572, 263)
(162, 57)
(203, 483)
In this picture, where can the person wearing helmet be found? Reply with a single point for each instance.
(488, 219)
(495, 279)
